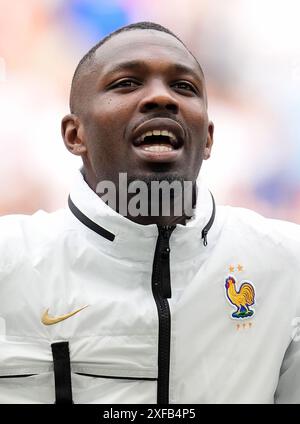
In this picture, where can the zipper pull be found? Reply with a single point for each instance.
(166, 230)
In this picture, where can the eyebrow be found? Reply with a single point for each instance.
(136, 65)
(186, 70)
(130, 65)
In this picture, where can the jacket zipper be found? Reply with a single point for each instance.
(210, 222)
(161, 289)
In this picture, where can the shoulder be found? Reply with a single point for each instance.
(21, 234)
(267, 231)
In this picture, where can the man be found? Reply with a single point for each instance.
(103, 304)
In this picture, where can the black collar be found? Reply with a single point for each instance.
(110, 236)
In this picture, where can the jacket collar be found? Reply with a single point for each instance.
(86, 205)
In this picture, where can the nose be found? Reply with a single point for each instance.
(158, 96)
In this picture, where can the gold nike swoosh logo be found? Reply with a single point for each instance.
(48, 320)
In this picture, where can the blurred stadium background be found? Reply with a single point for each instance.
(250, 52)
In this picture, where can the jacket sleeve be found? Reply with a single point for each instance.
(288, 389)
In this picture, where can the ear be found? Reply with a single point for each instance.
(72, 134)
(209, 141)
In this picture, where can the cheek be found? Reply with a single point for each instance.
(111, 110)
(101, 123)
(199, 122)
(196, 118)
(105, 124)
(109, 119)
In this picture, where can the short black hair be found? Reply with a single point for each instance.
(89, 56)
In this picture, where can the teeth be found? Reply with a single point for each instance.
(158, 148)
(158, 132)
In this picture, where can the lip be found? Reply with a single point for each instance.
(159, 124)
(170, 156)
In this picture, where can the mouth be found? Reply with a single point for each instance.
(159, 140)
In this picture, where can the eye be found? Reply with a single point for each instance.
(185, 86)
(125, 83)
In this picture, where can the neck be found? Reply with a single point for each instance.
(158, 220)
(149, 206)
(166, 210)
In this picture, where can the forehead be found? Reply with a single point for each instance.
(145, 46)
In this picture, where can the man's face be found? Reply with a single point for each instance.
(143, 110)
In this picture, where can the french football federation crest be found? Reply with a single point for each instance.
(242, 298)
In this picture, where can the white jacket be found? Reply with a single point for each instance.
(140, 340)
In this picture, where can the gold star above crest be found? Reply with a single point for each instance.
(244, 325)
(240, 267)
(231, 268)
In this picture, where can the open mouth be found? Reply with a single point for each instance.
(158, 141)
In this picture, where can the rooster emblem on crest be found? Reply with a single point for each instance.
(242, 299)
